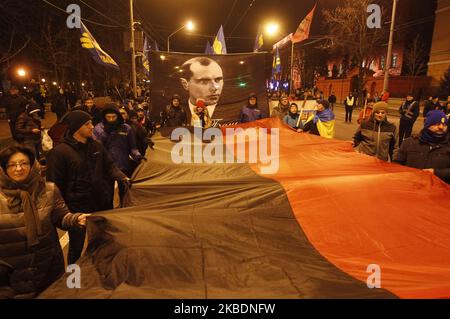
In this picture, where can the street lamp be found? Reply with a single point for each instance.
(21, 72)
(43, 80)
(189, 26)
(272, 28)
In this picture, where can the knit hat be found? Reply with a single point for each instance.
(380, 106)
(176, 97)
(435, 117)
(75, 120)
(252, 95)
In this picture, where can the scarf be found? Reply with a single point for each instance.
(429, 137)
(324, 116)
(22, 197)
(293, 115)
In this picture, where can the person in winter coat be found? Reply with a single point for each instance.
(291, 118)
(429, 150)
(349, 103)
(131, 118)
(31, 258)
(89, 107)
(15, 104)
(431, 104)
(200, 115)
(28, 127)
(119, 140)
(250, 112)
(59, 106)
(321, 122)
(282, 109)
(377, 136)
(174, 114)
(409, 111)
(145, 120)
(332, 100)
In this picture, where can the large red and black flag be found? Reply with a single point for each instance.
(310, 230)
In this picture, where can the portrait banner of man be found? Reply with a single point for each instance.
(224, 82)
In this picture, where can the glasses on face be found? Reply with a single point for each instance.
(18, 164)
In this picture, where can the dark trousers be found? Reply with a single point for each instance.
(404, 130)
(12, 128)
(76, 243)
(348, 113)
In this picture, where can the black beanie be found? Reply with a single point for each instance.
(75, 120)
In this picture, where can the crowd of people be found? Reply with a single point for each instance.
(95, 146)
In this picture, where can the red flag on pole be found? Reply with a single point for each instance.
(302, 32)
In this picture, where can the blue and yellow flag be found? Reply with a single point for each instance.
(276, 65)
(219, 46)
(88, 42)
(259, 41)
(209, 50)
(145, 61)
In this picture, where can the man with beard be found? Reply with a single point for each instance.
(118, 139)
(84, 173)
(430, 149)
(251, 112)
(282, 109)
(409, 112)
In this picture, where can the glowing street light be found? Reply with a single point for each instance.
(43, 80)
(272, 28)
(189, 25)
(163, 57)
(21, 72)
(54, 83)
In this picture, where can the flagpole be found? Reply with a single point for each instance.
(292, 68)
(133, 54)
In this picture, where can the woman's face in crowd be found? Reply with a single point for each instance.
(252, 101)
(18, 167)
(320, 107)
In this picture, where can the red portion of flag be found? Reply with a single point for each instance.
(302, 32)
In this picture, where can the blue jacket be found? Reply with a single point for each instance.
(120, 144)
(250, 114)
(292, 122)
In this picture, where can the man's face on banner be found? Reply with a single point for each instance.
(206, 81)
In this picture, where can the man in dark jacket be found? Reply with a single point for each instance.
(430, 150)
(409, 111)
(28, 127)
(332, 100)
(89, 107)
(377, 136)
(59, 105)
(84, 172)
(119, 140)
(250, 112)
(131, 118)
(431, 105)
(174, 114)
(15, 104)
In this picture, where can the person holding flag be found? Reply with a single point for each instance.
(322, 122)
